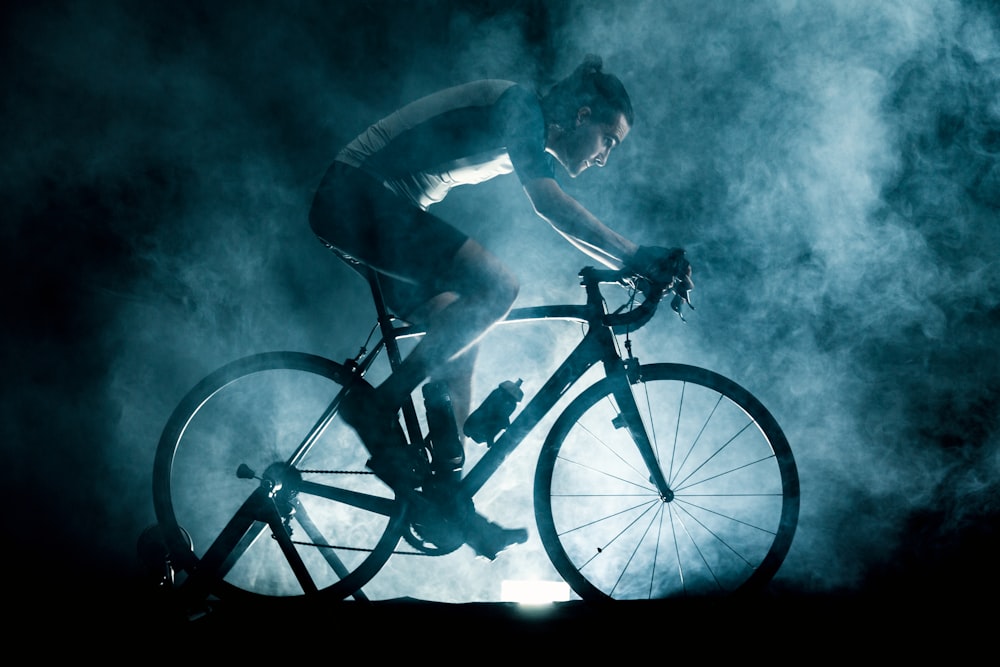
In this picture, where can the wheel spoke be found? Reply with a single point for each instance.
(632, 556)
(618, 536)
(697, 439)
(608, 517)
(684, 488)
(605, 473)
(695, 544)
(716, 535)
(683, 502)
(708, 459)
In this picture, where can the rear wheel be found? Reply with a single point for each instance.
(261, 490)
(726, 517)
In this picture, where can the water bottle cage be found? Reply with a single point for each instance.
(493, 416)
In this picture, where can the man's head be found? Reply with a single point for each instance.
(588, 114)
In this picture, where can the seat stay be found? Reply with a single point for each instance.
(390, 341)
(316, 431)
(324, 421)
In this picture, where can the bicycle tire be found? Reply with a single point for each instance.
(728, 520)
(255, 412)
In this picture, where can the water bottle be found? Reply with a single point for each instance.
(493, 415)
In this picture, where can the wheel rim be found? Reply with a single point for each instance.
(222, 468)
(724, 524)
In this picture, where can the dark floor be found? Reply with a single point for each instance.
(951, 606)
(888, 624)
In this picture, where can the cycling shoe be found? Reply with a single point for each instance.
(488, 539)
(399, 467)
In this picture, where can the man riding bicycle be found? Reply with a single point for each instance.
(371, 209)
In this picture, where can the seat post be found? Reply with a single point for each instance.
(388, 332)
(384, 319)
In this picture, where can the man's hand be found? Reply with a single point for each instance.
(664, 266)
(668, 267)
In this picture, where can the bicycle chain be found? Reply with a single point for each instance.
(343, 548)
(334, 546)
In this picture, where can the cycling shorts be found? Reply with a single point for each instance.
(367, 225)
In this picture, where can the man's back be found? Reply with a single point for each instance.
(457, 136)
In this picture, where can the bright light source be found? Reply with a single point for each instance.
(533, 592)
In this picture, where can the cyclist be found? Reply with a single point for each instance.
(372, 209)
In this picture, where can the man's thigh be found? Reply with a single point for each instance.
(366, 223)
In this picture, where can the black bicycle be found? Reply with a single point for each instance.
(658, 480)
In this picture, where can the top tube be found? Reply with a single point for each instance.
(593, 311)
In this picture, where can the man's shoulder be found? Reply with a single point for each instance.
(479, 92)
(489, 91)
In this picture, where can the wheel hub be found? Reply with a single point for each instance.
(282, 480)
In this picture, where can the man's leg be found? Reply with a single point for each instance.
(457, 376)
(467, 288)
(443, 280)
(480, 293)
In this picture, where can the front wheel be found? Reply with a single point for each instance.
(709, 508)
(261, 490)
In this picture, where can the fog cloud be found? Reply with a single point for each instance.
(831, 167)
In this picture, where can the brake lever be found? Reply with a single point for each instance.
(675, 305)
(681, 296)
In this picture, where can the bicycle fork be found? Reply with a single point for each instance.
(629, 418)
(625, 374)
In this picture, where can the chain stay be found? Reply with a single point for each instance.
(303, 543)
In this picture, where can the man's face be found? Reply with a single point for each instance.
(589, 142)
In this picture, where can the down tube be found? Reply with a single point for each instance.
(585, 355)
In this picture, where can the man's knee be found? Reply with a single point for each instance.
(484, 278)
(505, 288)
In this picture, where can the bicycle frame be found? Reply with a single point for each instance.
(596, 347)
(748, 492)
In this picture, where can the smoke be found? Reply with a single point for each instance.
(831, 168)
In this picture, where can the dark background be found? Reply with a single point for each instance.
(833, 169)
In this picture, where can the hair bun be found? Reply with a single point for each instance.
(587, 86)
(591, 64)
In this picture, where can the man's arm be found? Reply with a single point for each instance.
(578, 225)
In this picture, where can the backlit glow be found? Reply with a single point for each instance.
(533, 592)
